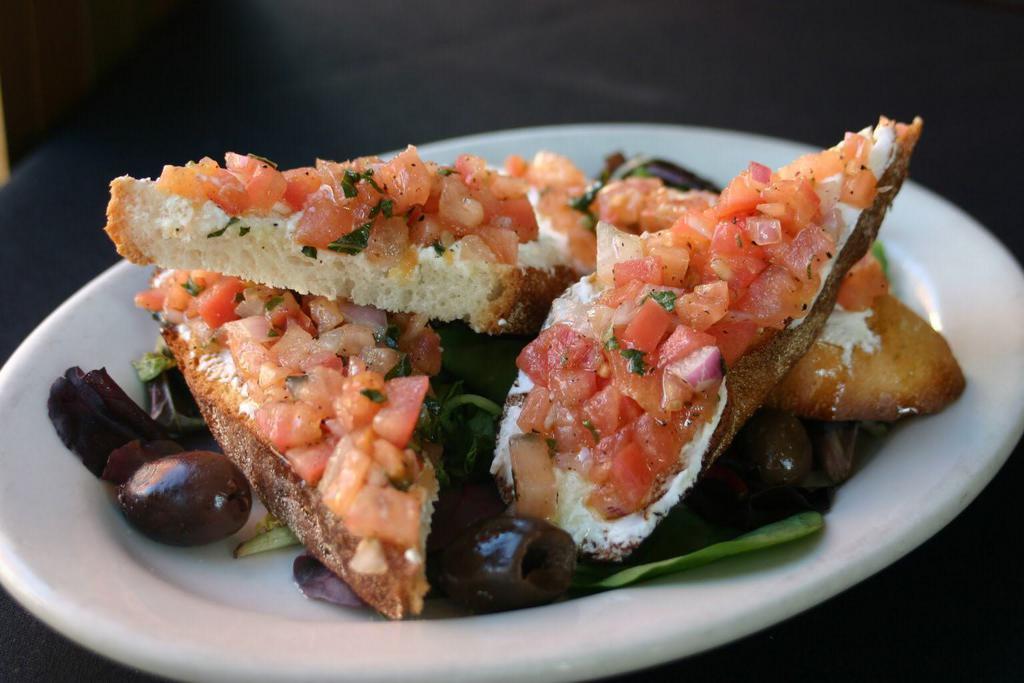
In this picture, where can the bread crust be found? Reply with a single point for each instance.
(913, 372)
(493, 298)
(396, 593)
(752, 378)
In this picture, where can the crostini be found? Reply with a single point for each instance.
(450, 243)
(316, 400)
(646, 369)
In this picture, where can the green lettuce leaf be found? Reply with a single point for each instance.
(590, 578)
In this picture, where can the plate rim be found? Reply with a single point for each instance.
(103, 637)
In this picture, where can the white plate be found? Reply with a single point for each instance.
(67, 555)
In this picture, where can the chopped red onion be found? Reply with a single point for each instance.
(760, 173)
(364, 315)
(702, 369)
(764, 230)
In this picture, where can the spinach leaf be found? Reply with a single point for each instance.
(152, 364)
(878, 250)
(594, 578)
(486, 365)
(466, 425)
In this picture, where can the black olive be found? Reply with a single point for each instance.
(506, 563)
(777, 445)
(189, 498)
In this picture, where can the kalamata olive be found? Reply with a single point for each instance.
(777, 444)
(188, 498)
(506, 563)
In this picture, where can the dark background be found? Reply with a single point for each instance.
(293, 80)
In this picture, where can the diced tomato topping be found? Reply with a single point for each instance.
(289, 424)
(733, 338)
(631, 478)
(216, 304)
(681, 343)
(265, 188)
(302, 182)
(309, 462)
(572, 387)
(742, 195)
(385, 513)
(647, 269)
(648, 327)
(556, 348)
(643, 388)
(504, 243)
(704, 306)
(604, 410)
(322, 222)
(513, 214)
(151, 299)
(533, 416)
(397, 418)
(406, 179)
(863, 284)
(859, 189)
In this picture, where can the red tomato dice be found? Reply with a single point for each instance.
(648, 327)
(397, 418)
(647, 269)
(216, 304)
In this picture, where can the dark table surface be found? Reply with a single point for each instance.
(294, 80)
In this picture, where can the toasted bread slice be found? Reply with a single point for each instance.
(396, 591)
(879, 365)
(743, 390)
(150, 226)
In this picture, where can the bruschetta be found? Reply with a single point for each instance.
(456, 242)
(646, 370)
(316, 400)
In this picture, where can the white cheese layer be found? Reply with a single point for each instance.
(220, 367)
(849, 330)
(882, 153)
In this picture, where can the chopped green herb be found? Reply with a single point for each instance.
(402, 369)
(664, 298)
(878, 251)
(592, 429)
(636, 360)
(354, 242)
(552, 444)
(152, 365)
(445, 171)
(244, 230)
(368, 177)
(387, 336)
(583, 202)
(309, 251)
(273, 333)
(265, 160)
(191, 287)
(374, 395)
(438, 248)
(218, 233)
(611, 343)
(273, 302)
(387, 207)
